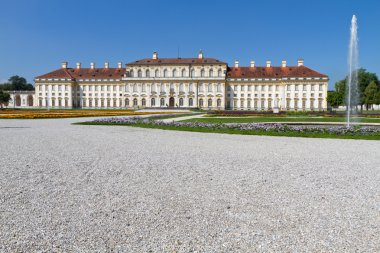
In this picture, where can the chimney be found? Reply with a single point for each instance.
(155, 56)
(119, 65)
(64, 65)
(236, 64)
(268, 63)
(252, 64)
(106, 65)
(300, 62)
(283, 63)
(92, 64)
(200, 54)
(78, 65)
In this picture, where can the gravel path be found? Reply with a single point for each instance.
(75, 188)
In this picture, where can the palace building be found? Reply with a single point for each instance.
(200, 82)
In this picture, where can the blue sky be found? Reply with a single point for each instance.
(37, 35)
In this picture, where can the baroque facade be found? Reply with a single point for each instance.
(200, 82)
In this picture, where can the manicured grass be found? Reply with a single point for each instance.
(278, 119)
(69, 113)
(241, 132)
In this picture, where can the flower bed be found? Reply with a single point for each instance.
(250, 127)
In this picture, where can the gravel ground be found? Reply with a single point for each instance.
(74, 188)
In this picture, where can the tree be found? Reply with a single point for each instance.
(16, 83)
(370, 94)
(4, 98)
(335, 98)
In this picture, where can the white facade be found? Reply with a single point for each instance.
(200, 82)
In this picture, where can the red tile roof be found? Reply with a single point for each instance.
(85, 73)
(272, 72)
(160, 61)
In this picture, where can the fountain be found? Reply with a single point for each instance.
(352, 82)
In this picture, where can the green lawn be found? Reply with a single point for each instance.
(307, 134)
(264, 119)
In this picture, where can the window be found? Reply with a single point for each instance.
(190, 102)
(153, 87)
(211, 73)
(296, 87)
(202, 73)
(131, 73)
(190, 87)
(320, 87)
(147, 73)
(143, 89)
(139, 73)
(143, 102)
(209, 102)
(181, 87)
(174, 73)
(181, 102)
(287, 104)
(153, 102)
(201, 87)
(256, 88)
(249, 103)
(162, 102)
(255, 104)
(165, 73)
(277, 88)
(192, 73)
(242, 103)
(171, 87)
(126, 88)
(249, 88)
(219, 87)
(312, 87)
(108, 88)
(157, 73)
(235, 88)
(126, 102)
(288, 87)
(270, 88)
(102, 87)
(135, 102)
(162, 89)
(242, 88)
(209, 88)
(304, 87)
(201, 102)
(219, 73)
(183, 73)
(135, 88)
(219, 102)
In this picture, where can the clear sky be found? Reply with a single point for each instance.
(37, 35)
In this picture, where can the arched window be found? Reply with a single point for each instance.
(219, 87)
(174, 73)
(131, 73)
(135, 88)
(135, 102)
(162, 102)
(190, 87)
(152, 102)
(192, 73)
(147, 73)
(202, 73)
(157, 73)
(211, 73)
(143, 102)
(165, 73)
(209, 102)
(219, 73)
(209, 88)
(190, 102)
(181, 102)
(219, 102)
(139, 73)
(126, 102)
(181, 87)
(201, 102)
(183, 74)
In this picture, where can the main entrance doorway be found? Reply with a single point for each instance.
(171, 102)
